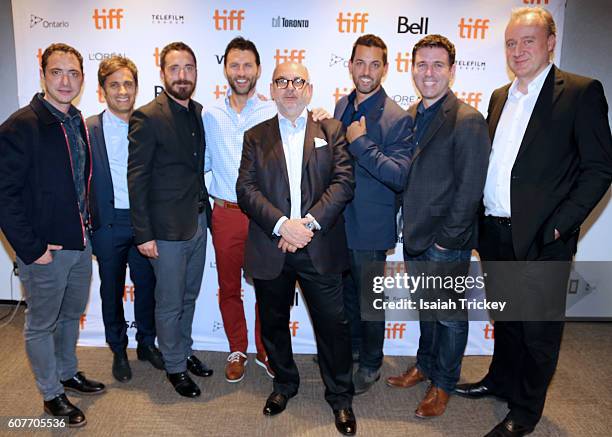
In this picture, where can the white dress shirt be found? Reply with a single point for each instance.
(508, 138)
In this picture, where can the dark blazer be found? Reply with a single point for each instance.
(446, 180)
(102, 201)
(564, 163)
(38, 202)
(382, 159)
(263, 194)
(164, 178)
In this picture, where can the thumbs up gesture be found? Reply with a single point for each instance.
(356, 130)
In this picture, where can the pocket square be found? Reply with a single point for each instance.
(320, 142)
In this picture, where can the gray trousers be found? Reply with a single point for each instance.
(178, 273)
(56, 294)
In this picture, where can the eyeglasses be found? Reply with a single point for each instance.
(297, 82)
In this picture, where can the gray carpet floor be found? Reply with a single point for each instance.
(579, 400)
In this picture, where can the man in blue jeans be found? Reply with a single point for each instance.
(376, 128)
(440, 206)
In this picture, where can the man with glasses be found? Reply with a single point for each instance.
(294, 180)
(169, 208)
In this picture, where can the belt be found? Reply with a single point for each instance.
(503, 221)
(225, 204)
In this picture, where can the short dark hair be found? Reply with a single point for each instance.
(436, 41)
(239, 43)
(114, 63)
(59, 47)
(370, 40)
(179, 46)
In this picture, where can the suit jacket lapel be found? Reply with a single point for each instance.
(542, 111)
(101, 151)
(436, 123)
(309, 136)
(276, 143)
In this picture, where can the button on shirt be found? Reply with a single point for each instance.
(224, 129)
(508, 138)
(116, 140)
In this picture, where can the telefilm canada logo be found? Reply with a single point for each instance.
(167, 18)
(36, 21)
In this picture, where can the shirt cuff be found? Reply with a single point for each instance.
(279, 223)
(314, 220)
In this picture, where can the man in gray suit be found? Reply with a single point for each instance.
(440, 206)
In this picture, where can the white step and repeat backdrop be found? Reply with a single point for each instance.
(319, 34)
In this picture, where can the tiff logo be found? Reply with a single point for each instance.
(128, 292)
(290, 56)
(82, 321)
(293, 327)
(489, 332)
(420, 28)
(535, 2)
(351, 22)
(395, 331)
(108, 20)
(472, 99)
(402, 62)
(220, 91)
(472, 28)
(341, 92)
(231, 21)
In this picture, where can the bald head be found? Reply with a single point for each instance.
(290, 89)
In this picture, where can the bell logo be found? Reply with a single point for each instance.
(220, 91)
(293, 327)
(402, 62)
(107, 20)
(341, 92)
(489, 332)
(395, 331)
(535, 2)
(82, 321)
(128, 290)
(473, 27)
(472, 99)
(231, 21)
(418, 28)
(290, 56)
(350, 23)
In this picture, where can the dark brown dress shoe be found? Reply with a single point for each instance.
(60, 406)
(184, 385)
(151, 354)
(197, 367)
(409, 378)
(121, 367)
(509, 428)
(474, 390)
(346, 423)
(433, 404)
(79, 384)
(275, 404)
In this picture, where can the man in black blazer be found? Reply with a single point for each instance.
(169, 208)
(551, 163)
(112, 234)
(294, 180)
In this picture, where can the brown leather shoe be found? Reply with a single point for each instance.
(433, 404)
(262, 360)
(409, 378)
(234, 369)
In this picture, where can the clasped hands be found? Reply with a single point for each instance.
(294, 234)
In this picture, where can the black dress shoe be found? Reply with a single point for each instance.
(121, 367)
(197, 367)
(275, 404)
(345, 421)
(61, 406)
(152, 355)
(474, 390)
(184, 385)
(79, 384)
(509, 428)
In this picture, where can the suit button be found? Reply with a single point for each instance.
(110, 226)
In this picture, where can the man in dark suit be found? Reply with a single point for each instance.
(377, 128)
(440, 208)
(169, 208)
(294, 180)
(112, 234)
(550, 165)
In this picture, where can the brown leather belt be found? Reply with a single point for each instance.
(225, 204)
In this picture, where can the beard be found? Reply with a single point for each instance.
(180, 93)
(232, 83)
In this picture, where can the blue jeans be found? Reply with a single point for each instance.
(442, 342)
(367, 337)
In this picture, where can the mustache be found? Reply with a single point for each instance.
(182, 82)
(366, 77)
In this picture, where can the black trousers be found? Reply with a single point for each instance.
(525, 353)
(323, 296)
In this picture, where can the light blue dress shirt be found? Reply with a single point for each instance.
(116, 139)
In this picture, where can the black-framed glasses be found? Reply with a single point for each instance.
(297, 82)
